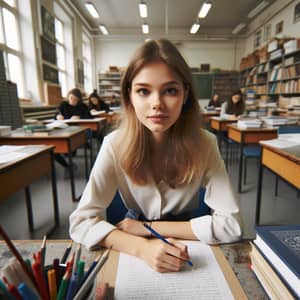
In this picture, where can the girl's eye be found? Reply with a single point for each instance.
(143, 92)
(171, 91)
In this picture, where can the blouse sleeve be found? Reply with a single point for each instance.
(87, 223)
(224, 223)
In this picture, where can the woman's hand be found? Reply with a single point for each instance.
(133, 227)
(59, 117)
(163, 257)
(75, 117)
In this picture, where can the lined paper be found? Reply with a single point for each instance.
(136, 280)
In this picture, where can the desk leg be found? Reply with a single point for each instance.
(240, 167)
(29, 209)
(72, 176)
(259, 191)
(54, 191)
(226, 155)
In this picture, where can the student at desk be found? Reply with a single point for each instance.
(96, 103)
(234, 107)
(158, 159)
(214, 101)
(74, 108)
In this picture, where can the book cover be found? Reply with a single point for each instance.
(281, 247)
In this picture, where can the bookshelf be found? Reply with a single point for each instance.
(109, 87)
(275, 78)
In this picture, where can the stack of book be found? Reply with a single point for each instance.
(249, 123)
(274, 121)
(275, 260)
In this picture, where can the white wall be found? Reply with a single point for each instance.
(281, 10)
(225, 55)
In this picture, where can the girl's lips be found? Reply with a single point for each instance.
(157, 118)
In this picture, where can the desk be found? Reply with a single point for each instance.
(18, 174)
(237, 255)
(96, 125)
(207, 115)
(65, 141)
(283, 162)
(248, 136)
(220, 125)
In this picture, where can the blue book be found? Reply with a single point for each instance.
(280, 245)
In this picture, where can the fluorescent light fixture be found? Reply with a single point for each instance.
(257, 9)
(143, 10)
(238, 28)
(103, 29)
(92, 9)
(204, 9)
(145, 28)
(195, 27)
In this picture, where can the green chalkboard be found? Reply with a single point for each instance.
(203, 85)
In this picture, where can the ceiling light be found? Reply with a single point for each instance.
(238, 28)
(103, 29)
(204, 9)
(143, 9)
(257, 9)
(195, 27)
(92, 10)
(145, 28)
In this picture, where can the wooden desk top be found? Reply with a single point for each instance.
(237, 254)
(30, 150)
(53, 134)
(291, 153)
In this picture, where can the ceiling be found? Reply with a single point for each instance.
(168, 17)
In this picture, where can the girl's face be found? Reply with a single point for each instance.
(216, 97)
(236, 98)
(73, 100)
(157, 95)
(94, 100)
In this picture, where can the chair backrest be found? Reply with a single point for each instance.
(288, 129)
(117, 210)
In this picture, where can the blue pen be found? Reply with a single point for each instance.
(159, 236)
(26, 292)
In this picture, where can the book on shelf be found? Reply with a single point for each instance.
(281, 248)
(268, 278)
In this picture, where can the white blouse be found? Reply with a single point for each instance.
(88, 225)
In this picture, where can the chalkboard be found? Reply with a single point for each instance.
(203, 85)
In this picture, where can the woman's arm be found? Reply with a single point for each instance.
(174, 229)
(158, 255)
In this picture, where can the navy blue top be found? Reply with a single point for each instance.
(68, 110)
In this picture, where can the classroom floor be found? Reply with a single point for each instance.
(283, 209)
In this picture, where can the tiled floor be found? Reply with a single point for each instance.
(276, 210)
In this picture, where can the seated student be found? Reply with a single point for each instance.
(74, 108)
(234, 107)
(215, 101)
(96, 103)
(158, 159)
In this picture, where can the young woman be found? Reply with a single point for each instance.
(234, 107)
(96, 103)
(215, 101)
(74, 108)
(158, 159)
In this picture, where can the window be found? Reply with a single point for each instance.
(87, 63)
(267, 32)
(61, 55)
(10, 43)
(257, 39)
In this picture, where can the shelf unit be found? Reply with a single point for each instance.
(274, 79)
(225, 83)
(109, 87)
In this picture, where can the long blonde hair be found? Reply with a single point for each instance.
(183, 160)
